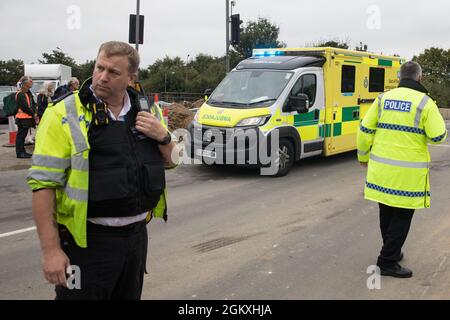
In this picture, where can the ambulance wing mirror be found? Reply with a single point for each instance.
(207, 93)
(299, 103)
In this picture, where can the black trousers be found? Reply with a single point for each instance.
(394, 225)
(112, 267)
(20, 139)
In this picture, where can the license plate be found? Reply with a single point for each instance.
(206, 153)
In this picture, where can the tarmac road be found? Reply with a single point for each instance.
(235, 235)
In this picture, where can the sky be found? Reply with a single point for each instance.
(188, 28)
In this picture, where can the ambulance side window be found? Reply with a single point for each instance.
(376, 80)
(306, 84)
(348, 79)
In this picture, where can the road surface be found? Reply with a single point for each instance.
(233, 234)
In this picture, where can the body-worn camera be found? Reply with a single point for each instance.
(100, 114)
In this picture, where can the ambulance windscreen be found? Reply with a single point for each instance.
(250, 88)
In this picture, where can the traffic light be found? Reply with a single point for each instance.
(132, 30)
(236, 28)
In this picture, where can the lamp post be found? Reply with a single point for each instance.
(227, 34)
(165, 81)
(186, 73)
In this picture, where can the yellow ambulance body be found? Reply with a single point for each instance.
(340, 86)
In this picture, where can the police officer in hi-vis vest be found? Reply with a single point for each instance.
(98, 177)
(392, 140)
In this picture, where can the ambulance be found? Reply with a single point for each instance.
(314, 98)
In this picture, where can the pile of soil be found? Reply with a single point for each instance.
(181, 115)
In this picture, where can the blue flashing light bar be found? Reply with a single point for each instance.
(267, 53)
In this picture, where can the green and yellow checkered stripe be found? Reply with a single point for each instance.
(350, 119)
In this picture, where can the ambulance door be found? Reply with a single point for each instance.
(341, 134)
(309, 124)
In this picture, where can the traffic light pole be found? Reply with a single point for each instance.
(137, 31)
(227, 43)
(137, 24)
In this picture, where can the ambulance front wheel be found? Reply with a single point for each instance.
(285, 157)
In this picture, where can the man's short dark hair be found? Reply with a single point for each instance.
(410, 70)
(117, 48)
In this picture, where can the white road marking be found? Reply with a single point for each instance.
(4, 235)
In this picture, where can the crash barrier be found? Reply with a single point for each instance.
(180, 96)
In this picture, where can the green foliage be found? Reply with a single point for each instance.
(83, 71)
(435, 64)
(10, 72)
(334, 43)
(258, 35)
(58, 57)
(80, 71)
(169, 74)
(174, 75)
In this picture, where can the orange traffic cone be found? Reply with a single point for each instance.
(12, 133)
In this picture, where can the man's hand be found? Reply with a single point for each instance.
(149, 125)
(54, 265)
(363, 164)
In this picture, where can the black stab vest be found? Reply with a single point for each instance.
(126, 170)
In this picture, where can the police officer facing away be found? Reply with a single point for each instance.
(393, 141)
(98, 176)
(72, 85)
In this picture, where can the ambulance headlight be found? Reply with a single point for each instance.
(253, 122)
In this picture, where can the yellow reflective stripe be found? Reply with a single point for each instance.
(398, 163)
(44, 175)
(156, 112)
(50, 162)
(419, 111)
(76, 194)
(74, 124)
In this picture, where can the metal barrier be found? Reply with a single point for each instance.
(178, 96)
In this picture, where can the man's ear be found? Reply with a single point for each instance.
(131, 80)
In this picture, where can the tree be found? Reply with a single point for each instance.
(10, 72)
(258, 35)
(334, 43)
(174, 75)
(165, 75)
(83, 71)
(58, 57)
(435, 64)
(206, 72)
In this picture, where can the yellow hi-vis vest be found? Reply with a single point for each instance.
(61, 161)
(393, 138)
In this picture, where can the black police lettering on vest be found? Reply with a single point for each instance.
(126, 169)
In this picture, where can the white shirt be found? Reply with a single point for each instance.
(122, 221)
